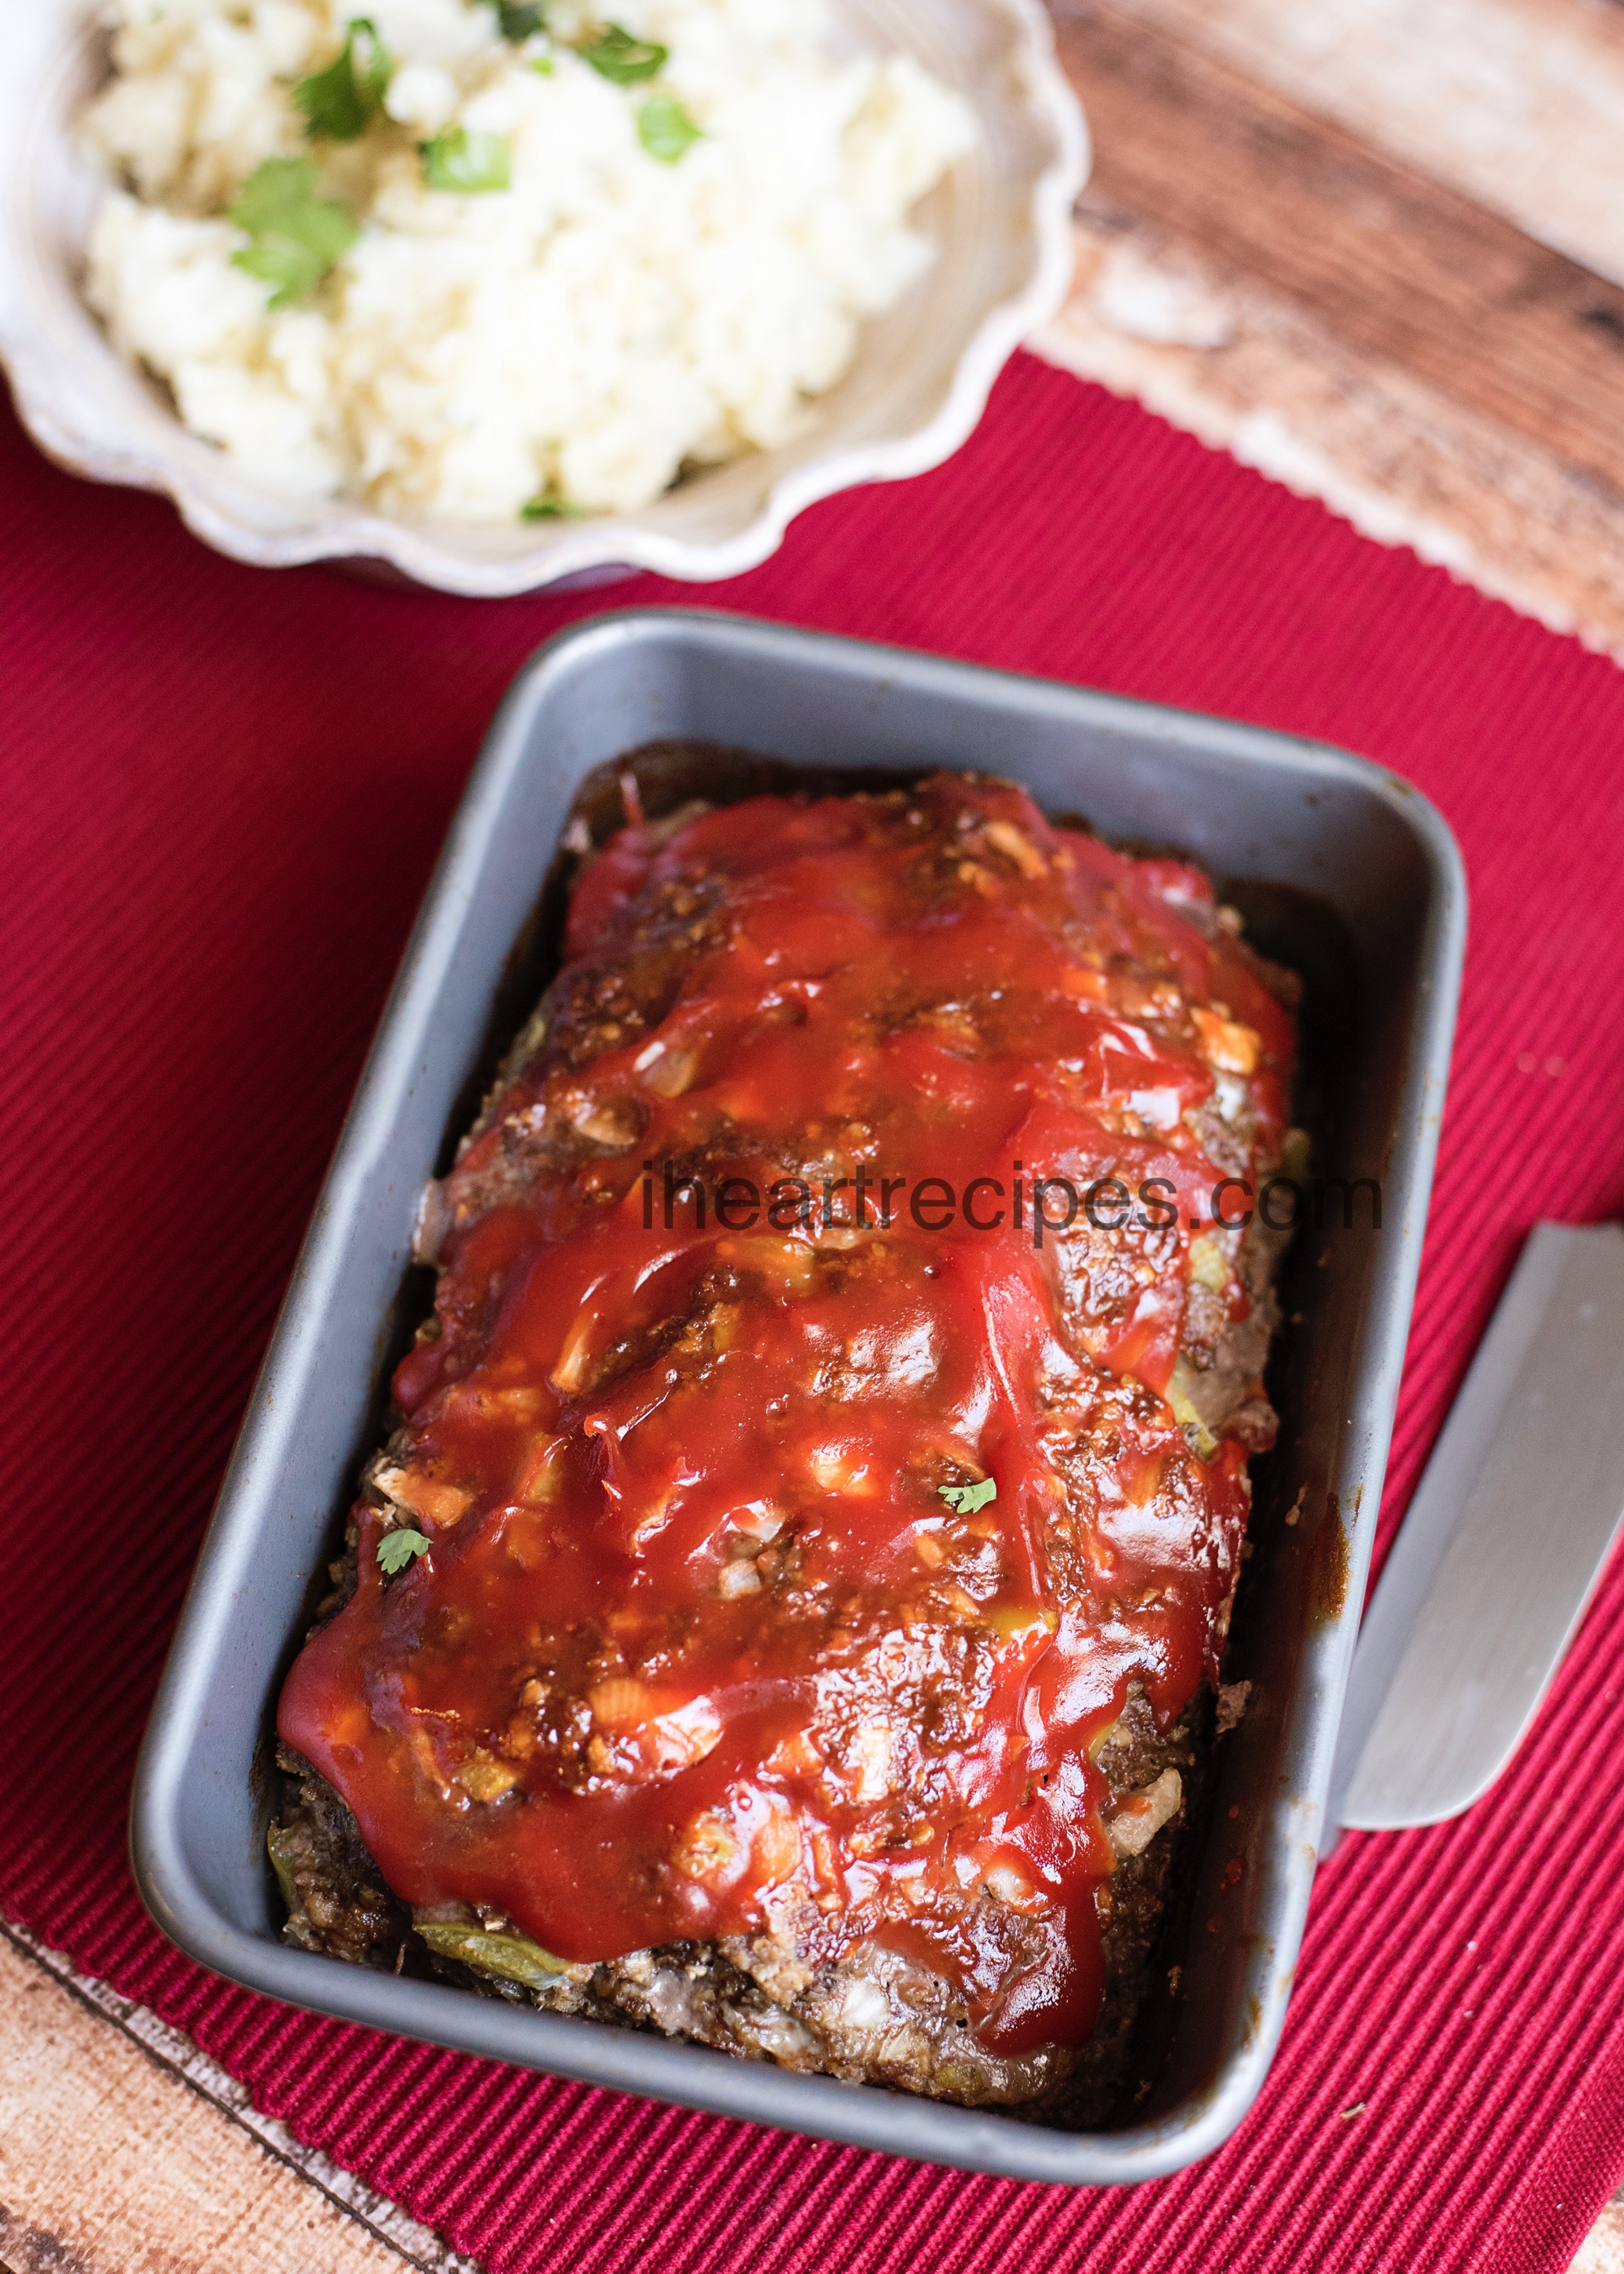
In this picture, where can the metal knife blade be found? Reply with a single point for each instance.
(1502, 1549)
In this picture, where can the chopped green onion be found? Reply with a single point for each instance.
(623, 59)
(518, 20)
(341, 102)
(550, 509)
(458, 159)
(664, 129)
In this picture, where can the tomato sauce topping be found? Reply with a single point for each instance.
(804, 1483)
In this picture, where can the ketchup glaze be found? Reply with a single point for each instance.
(713, 1634)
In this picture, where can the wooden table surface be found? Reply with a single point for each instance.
(1375, 248)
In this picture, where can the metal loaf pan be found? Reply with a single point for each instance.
(1340, 867)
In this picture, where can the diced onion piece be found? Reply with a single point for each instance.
(621, 1704)
(1226, 1044)
(421, 1494)
(609, 1121)
(1016, 1621)
(667, 1068)
(863, 2006)
(570, 1371)
(708, 1850)
(487, 1779)
(433, 1221)
(543, 1473)
(1208, 1263)
(1187, 1414)
(833, 1469)
(1140, 1815)
(1016, 846)
(788, 1266)
(761, 1520)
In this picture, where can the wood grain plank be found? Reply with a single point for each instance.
(1601, 2251)
(1257, 276)
(123, 2150)
(1400, 269)
(1518, 104)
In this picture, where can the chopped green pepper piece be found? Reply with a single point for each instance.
(513, 1956)
(279, 1845)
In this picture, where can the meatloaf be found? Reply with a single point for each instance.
(786, 1610)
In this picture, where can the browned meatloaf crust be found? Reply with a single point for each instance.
(747, 1995)
(784, 1985)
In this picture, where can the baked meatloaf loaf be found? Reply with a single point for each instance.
(783, 1612)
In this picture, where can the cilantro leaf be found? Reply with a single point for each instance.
(517, 19)
(458, 159)
(621, 58)
(550, 509)
(342, 102)
(964, 1499)
(664, 129)
(396, 1550)
(296, 238)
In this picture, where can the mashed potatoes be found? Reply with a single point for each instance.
(502, 261)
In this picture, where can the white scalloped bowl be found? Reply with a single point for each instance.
(1001, 219)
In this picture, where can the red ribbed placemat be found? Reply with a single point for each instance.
(223, 793)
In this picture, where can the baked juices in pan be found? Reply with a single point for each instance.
(787, 1610)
